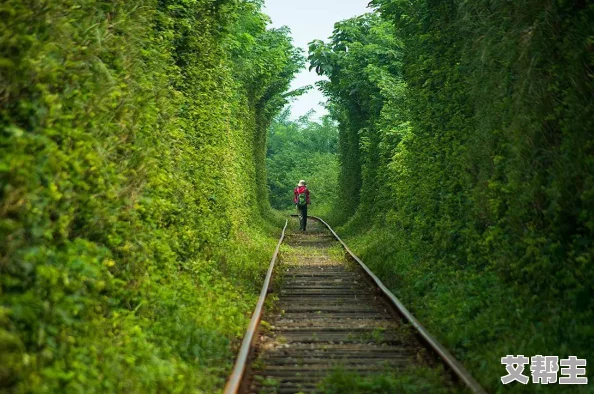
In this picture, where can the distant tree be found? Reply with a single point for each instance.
(302, 149)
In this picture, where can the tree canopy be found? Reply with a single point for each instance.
(302, 149)
(467, 129)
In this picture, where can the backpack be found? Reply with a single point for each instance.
(302, 198)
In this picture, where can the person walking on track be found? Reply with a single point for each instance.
(301, 200)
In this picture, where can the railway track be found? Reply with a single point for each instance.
(328, 314)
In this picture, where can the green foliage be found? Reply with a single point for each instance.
(412, 380)
(362, 62)
(302, 149)
(131, 254)
(473, 151)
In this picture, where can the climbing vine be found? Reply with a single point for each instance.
(467, 128)
(127, 129)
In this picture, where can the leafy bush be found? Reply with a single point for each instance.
(131, 254)
(468, 126)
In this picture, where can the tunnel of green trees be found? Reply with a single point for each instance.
(148, 157)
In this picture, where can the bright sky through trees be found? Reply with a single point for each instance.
(309, 20)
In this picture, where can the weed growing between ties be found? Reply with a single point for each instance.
(410, 381)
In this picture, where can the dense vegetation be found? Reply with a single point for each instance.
(302, 149)
(411, 381)
(128, 130)
(467, 128)
(133, 188)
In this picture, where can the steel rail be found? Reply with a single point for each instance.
(234, 382)
(458, 369)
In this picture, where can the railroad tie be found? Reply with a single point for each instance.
(327, 314)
